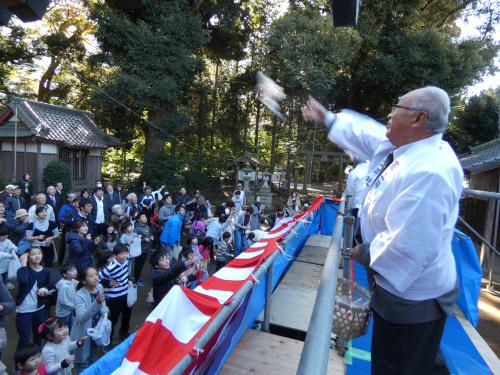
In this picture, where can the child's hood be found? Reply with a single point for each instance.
(65, 283)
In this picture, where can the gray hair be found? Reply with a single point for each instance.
(436, 103)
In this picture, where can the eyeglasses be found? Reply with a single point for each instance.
(403, 107)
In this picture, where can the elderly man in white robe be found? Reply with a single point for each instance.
(407, 219)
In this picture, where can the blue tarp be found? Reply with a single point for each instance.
(469, 274)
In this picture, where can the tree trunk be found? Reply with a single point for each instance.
(46, 80)
(214, 106)
(247, 121)
(155, 140)
(257, 124)
(274, 143)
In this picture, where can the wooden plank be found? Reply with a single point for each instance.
(481, 346)
(291, 307)
(264, 353)
(304, 275)
(313, 255)
(318, 240)
(315, 249)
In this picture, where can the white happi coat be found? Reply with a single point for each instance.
(409, 212)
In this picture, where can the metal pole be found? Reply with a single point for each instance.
(478, 236)
(223, 314)
(346, 250)
(314, 357)
(341, 344)
(490, 285)
(14, 172)
(267, 307)
(481, 194)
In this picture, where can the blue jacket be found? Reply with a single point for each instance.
(67, 214)
(80, 250)
(172, 231)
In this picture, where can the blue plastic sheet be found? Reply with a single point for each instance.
(469, 274)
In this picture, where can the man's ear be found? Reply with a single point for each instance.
(421, 120)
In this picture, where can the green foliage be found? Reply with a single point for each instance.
(194, 179)
(161, 169)
(15, 53)
(57, 171)
(152, 53)
(475, 122)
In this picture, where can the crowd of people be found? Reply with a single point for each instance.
(78, 259)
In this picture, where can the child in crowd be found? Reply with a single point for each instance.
(117, 274)
(127, 238)
(56, 353)
(66, 290)
(214, 229)
(143, 230)
(7, 252)
(250, 240)
(224, 251)
(34, 288)
(80, 246)
(198, 228)
(165, 274)
(90, 304)
(109, 239)
(189, 258)
(206, 252)
(28, 358)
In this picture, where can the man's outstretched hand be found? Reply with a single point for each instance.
(314, 111)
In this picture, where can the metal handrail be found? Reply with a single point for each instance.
(476, 233)
(314, 357)
(223, 314)
(481, 194)
(491, 263)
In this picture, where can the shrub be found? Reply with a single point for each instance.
(57, 171)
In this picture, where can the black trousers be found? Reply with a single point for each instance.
(116, 307)
(139, 265)
(62, 246)
(48, 255)
(405, 349)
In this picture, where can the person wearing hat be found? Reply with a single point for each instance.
(66, 217)
(17, 228)
(14, 203)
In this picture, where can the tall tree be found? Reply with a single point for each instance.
(475, 121)
(63, 37)
(153, 55)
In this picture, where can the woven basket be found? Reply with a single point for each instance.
(350, 320)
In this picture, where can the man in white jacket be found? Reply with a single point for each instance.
(409, 211)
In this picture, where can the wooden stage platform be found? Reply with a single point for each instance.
(264, 353)
(292, 303)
